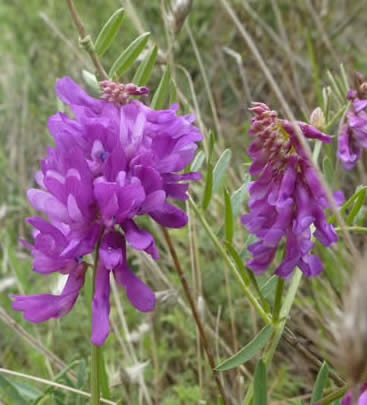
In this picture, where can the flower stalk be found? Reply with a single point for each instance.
(95, 371)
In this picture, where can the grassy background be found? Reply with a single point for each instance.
(158, 360)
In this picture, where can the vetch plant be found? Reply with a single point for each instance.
(122, 161)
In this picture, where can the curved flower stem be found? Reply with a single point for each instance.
(194, 311)
(259, 309)
(86, 41)
(95, 372)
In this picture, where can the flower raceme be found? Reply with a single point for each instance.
(117, 160)
(353, 135)
(286, 198)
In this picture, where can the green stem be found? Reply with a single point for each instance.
(278, 299)
(229, 262)
(95, 372)
(352, 229)
(278, 328)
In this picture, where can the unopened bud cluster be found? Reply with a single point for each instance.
(119, 93)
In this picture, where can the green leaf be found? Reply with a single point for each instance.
(260, 384)
(129, 55)
(109, 31)
(359, 191)
(238, 196)
(220, 169)
(144, 70)
(249, 351)
(160, 96)
(356, 207)
(208, 189)
(320, 383)
(9, 394)
(228, 217)
(198, 161)
(92, 82)
(268, 288)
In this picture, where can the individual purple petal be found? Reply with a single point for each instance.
(70, 93)
(138, 293)
(310, 265)
(170, 216)
(41, 307)
(101, 306)
(110, 250)
(139, 239)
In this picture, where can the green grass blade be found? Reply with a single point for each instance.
(249, 351)
(109, 31)
(129, 55)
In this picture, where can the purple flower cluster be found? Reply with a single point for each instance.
(114, 162)
(353, 135)
(286, 198)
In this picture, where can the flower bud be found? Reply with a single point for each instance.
(317, 118)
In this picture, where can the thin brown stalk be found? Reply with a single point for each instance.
(194, 312)
(86, 40)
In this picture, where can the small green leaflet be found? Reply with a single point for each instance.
(239, 196)
(160, 96)
(144, 70)
(220, 169)
(320, 383)
(198, 161)
(249, 351)
(109, 31)
(92, 82)
(129, 55)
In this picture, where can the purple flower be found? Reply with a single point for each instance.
(353, 135)
(116, 161)
(286, 198)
